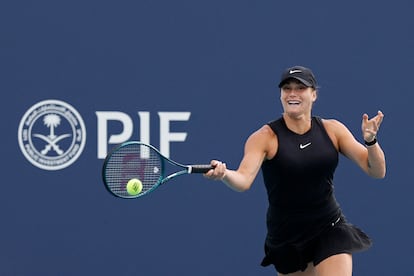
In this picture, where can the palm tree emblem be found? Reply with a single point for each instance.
(52, 121)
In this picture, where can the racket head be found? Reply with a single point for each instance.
(130, 160)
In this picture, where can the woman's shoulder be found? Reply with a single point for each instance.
(335, 130)
(332, 123)
(264, 132)
(265, 139)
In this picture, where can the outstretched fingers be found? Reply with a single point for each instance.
(370, 127)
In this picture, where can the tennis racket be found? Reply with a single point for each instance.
(142, 166)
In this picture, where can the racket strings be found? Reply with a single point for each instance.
(133, 161)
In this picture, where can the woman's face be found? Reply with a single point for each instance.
(297, 99)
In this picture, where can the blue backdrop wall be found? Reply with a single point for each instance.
(196, 78)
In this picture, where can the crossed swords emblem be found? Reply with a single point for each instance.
(52, 121)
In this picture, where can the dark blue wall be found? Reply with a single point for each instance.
(220, 61)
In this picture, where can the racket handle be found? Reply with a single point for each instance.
(200, 168)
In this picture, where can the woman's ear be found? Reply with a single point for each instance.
(315, 95)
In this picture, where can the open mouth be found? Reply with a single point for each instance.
(293, 102)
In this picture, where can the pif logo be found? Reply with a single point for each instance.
(52, 135)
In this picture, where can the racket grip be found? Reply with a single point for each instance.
(200, 168)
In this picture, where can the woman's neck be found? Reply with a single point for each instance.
(299, 125)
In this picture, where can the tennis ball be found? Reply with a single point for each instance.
(134, 186)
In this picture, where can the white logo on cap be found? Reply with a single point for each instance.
(295, 71)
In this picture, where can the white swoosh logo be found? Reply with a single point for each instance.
(305, 145)
(294, 71)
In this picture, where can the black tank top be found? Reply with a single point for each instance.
(299, 183)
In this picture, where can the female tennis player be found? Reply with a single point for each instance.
(298, 154)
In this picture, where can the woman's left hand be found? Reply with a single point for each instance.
(370, 127)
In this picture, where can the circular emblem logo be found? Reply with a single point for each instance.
(52, 135)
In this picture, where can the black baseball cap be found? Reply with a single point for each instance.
(302, 74)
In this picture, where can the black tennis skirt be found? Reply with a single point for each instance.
(338, 237)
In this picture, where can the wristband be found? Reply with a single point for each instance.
(373, 142)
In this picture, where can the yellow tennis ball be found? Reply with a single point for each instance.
(134, 186)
